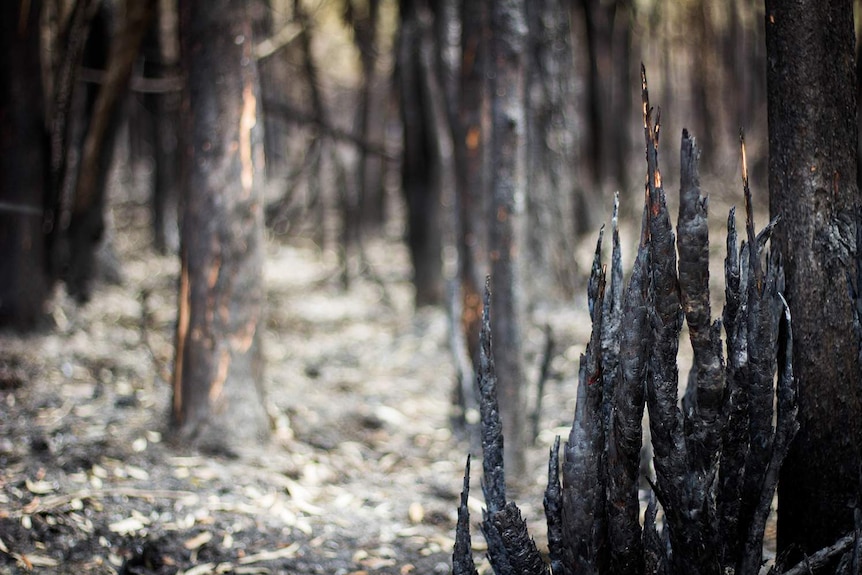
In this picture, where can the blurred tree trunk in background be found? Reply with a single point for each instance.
(421, 168)
(162, 62)
(218, 377)
(550, 142)
(608, 36)
(812, 186)
(363, 20)
(471, 138)
(509, 37)
(23, 167)
(117, 54)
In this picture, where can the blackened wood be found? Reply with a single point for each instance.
(24, 166)
(811, 110)
(625, 434)
(706, 382)
(218, 385)
(462, 555)
(822, 557)
(584, 472)
(684, 494)
(493, 472)
(762, 324)
(508, 46)
(612, 319)
(654, 546)
(787, 425)
(521, 550)
(666, 322)
(735, 432)
(560, 554)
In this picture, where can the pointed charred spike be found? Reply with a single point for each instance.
(494, 478)
(462, 555)
(553, 503)
(595, 271)
(754, 257)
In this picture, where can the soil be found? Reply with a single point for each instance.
(363, 472)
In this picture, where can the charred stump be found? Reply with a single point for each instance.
(716, 460)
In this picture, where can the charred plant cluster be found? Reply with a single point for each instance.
(716, 459)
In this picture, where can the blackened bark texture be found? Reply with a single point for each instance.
(680, 492)
(717, 464)
(493, 469)
(508, 52)
(705, 390)
(550, 142)
(462, 554)
(87, 223)
(420, 170)
(511, 551)
(23, 167)
(584, 473)
(218, 393)
(553, 503)
(813, 190)
(625, 436)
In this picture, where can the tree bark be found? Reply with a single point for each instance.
(218, 394)
(508, 50)
(813, 190)
(23, 167)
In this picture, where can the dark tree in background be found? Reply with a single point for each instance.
(218, 394)
(85, 229)
(421, 169)
(23, 167)
(812, 184)
(551, 150)
(507, 189)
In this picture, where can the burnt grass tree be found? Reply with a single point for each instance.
(716, 458)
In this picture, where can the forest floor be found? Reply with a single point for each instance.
(363, 473)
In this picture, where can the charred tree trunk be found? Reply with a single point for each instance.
(163, 63)
(471, 137)
(508, 57)
(550, 150)
(86, 227)
(421, 169)
(218, 394)
(23, 167)
(813, 190)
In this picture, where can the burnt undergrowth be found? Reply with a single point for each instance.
(716, 454)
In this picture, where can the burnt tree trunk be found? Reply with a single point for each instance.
(23, 167)
(218, 394)
(550, 150)
(86, 227)
(162, 62)
(470, 146)
(508, 53)
(420, 169)
(813, 190)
